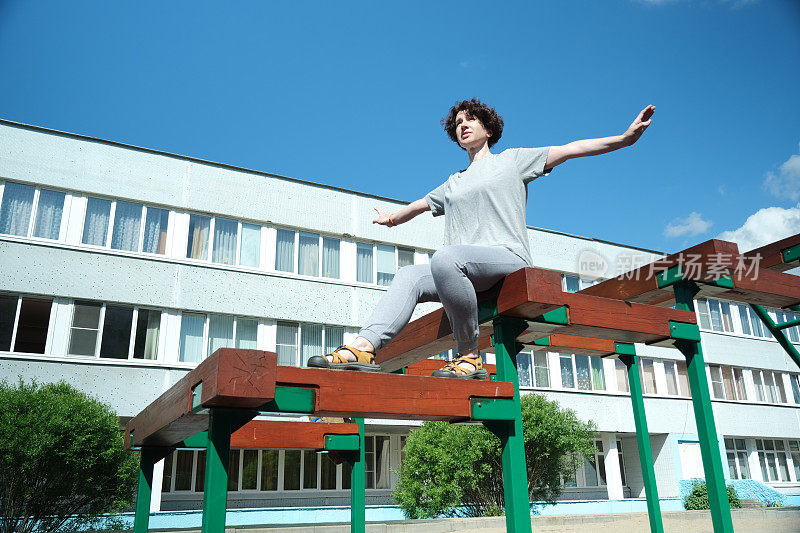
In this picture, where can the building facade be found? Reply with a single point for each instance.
(121, 268)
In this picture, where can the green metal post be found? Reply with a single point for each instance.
(147, 460)
(358, 480)
(215, 493)
(515, 471)
(704, 415)
(627, 355)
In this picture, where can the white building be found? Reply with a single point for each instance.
(122, 267)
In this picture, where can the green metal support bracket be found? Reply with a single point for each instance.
(487, 310)
(215, 494)
(788, 324)
(198, 440)
(669, 277)
(777, 332)
(291, 400)
(792, 254)
(493, 409)
(559, 316)
(704, 415)
(515, 471)
(627, 354)
(341, 443)
(684, 331)
(544, 341)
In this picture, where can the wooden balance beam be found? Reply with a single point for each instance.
(780, 255)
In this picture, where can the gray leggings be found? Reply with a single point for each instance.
(453, 276)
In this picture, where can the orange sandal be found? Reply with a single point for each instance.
(453, 370)
(364, 360)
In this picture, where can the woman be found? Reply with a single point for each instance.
(485, 236)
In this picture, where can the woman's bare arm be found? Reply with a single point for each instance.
(587, 147)
(405, 213)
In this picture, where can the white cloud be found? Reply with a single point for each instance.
(691, 225)
(764, 226)
(786, 182)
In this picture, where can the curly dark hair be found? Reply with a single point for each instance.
(477, 109)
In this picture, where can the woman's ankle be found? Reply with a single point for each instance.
(360, 343)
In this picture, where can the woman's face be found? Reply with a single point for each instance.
(470, 132)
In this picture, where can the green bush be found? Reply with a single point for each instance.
(62, 462)
(697, 499)
(455, 470)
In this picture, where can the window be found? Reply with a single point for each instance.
(286, 344)
(386, 264)
(593, 472)
(364, 262)
(794, 379)
(315, 339)
(574, 283)
(16, 209)
(316, 255)
(671, 374)
(734, 383)
(202, 335)
(621, 370)
(377, 462)
(737, 458)
(331, 257)
(224, 249)
(291, 470)
(588, 372)
(269, 469)
(714, 315)
(24, 323)
(769, 386)
(127, 226)
(49, 211)
(310, 469)
(199, 230)
(192, 332)
(716, 382)
(284, 251)
(794, 451)
(308, 258)
(155, 231)
(405, 257)
(773, 460)
(250, 245)
(791, 333)
(95, 225)
(648, 376)
(133, 227)
(114, 331)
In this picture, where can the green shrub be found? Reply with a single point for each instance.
(697, 499)
(455, 470)
(62, 462)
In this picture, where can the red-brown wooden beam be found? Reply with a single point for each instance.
(770, 254)
(279, 434)
(577, 345)
(427, 366)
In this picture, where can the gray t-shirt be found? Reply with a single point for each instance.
(485, 204)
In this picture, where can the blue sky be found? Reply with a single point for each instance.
(351, 94)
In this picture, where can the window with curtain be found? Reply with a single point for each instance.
(199, 230)
(621, 369)
(541, 372)
(582, 372)
(364, 262)
(116, 338)
(225, 231)
(524, 369)
(310, 341)
(330, 257)
(148, 325)
(648, 376)
(683, 379)
(377, 461)
(308, 256)
(48, 214)
(155, 231)
(16, 208)
(672, 378)
(567, 375)
(220, 332)
(192, 330)
(736, 451)
(250, 249)
(85, 328)
(286, 344)
(794, 379)
(598, 374)
(127, 226)
(738, 384)
(773, 460)
(405, 257)
(95, 225)
(284, 250)
(334, 337)
(758, 385)
(716, 381)
(386, 264)
(246, 334)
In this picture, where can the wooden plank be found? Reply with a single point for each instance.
(703, 262)
(770, 254)
(231, 378)
(763, 286)
(427, 366)
(577, 345)
(279, 434)
(377, 395)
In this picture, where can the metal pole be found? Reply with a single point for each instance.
(147, 460)
(215, 492)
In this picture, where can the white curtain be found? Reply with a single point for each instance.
(192, 337)
(524, 369)
(582, 372)
(15, 211)
(95, 226)
(386, 264)
(540, 369)
(220, 333)
(199, 227)
(225, 241)
(127, 223)
(152, 321)
(598, 376)
(330, 257)
(334, 337)
(155, 231)
(309, 254)
(284, 251)
(405, 257)
(250, 253)
(364, 262)
(247, 334)
(48, 214)
(287, 344)
(310, 341)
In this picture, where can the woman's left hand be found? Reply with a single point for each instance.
(637, 127)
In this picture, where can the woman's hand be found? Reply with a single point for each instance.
(637, 127)
(382, 218)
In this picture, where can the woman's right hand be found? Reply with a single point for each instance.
(382, 218)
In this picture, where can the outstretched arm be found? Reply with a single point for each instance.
(405, 213)
(586, 147)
